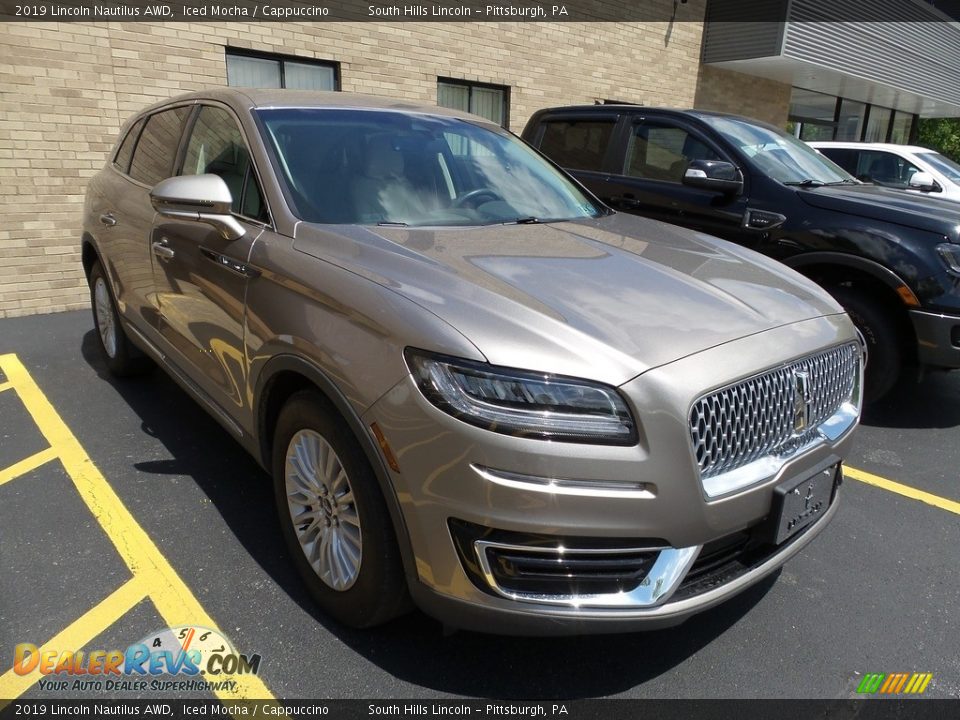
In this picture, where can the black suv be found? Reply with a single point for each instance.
(892, 260)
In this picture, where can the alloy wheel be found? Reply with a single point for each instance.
(323, 510)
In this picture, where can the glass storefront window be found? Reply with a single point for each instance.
(814, 112)
(902, 125)
(850, 122)
(877, 124)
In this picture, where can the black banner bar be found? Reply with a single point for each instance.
(478, 10)
(859, 709)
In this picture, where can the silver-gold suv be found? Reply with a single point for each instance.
(475, 386)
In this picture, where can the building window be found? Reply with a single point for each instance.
(850, 120)
(901, 127)
(488, 101)
(811, 118)
(261, 70)
(878, 123)
(814, 114)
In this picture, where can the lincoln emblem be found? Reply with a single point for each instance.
(801, 401)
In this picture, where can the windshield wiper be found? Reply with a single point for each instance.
(805, 183)
(392, 224)
(530, 220)
(848, 181)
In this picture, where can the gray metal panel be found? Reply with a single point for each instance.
(734, 30)
(919, 57)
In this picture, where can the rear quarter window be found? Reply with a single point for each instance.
(157, 148)
(122, 159)
(577, 144)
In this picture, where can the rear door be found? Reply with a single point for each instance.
(201, 278)
(581, 143)
(653, 153)
(128, 215)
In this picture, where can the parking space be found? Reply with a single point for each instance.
(125, 509)
(56, 581)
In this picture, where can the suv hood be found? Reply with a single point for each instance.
(605, 298)
(889, 205)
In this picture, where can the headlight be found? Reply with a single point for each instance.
(950, 254)
(526, 404)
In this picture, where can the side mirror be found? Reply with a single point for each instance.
(924, 182)
(715, 175)
(204, 198)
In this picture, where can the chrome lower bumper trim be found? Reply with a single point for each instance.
(565, 486)
(661, 582)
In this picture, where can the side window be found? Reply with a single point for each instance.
(847, 159)
(885, 168)
(157, 148)
(577, 144)
(216, 147)
(662, 152)
(122, 159)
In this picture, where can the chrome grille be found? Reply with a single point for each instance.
(757, 417)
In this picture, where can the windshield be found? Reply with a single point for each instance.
(945, 165)
(779, 155)
(371, 167)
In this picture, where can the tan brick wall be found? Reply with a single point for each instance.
(65, 89)
(733, 92)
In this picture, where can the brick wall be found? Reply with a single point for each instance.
(65, 88)
(733, 92)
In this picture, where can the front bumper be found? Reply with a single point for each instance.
(503, 617)
(650, 494)
(938, 338)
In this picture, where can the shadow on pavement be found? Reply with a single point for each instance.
(413, 648)
(932, 402)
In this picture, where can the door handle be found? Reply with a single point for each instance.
(108, 219)
(162, 251)
(228, 263)
(625, 201)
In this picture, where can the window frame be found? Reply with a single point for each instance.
(188, 128)
(470, 85)
(282, 60)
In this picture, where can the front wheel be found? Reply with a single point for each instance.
(884, 342)
(333, 517)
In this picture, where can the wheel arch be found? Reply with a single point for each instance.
(88, 253)
(867, 276)
(285, 375)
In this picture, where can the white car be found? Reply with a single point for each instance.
(912, 168)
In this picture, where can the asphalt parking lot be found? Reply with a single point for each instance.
(879, 591)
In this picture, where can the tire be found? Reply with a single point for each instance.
(884, 341)
(122, 358)
(341, 508)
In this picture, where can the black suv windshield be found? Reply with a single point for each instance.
(371, 167)
(779, 155)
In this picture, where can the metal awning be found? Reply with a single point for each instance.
(910, 64)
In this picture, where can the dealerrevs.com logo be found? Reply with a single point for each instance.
(177, 659)
(894, 683)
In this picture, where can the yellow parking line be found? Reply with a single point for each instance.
(27, 464)
(5, 386)
(79, 633)
(901, 489)
(171, 596)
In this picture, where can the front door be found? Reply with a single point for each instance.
(655, 154)
(201, 277)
